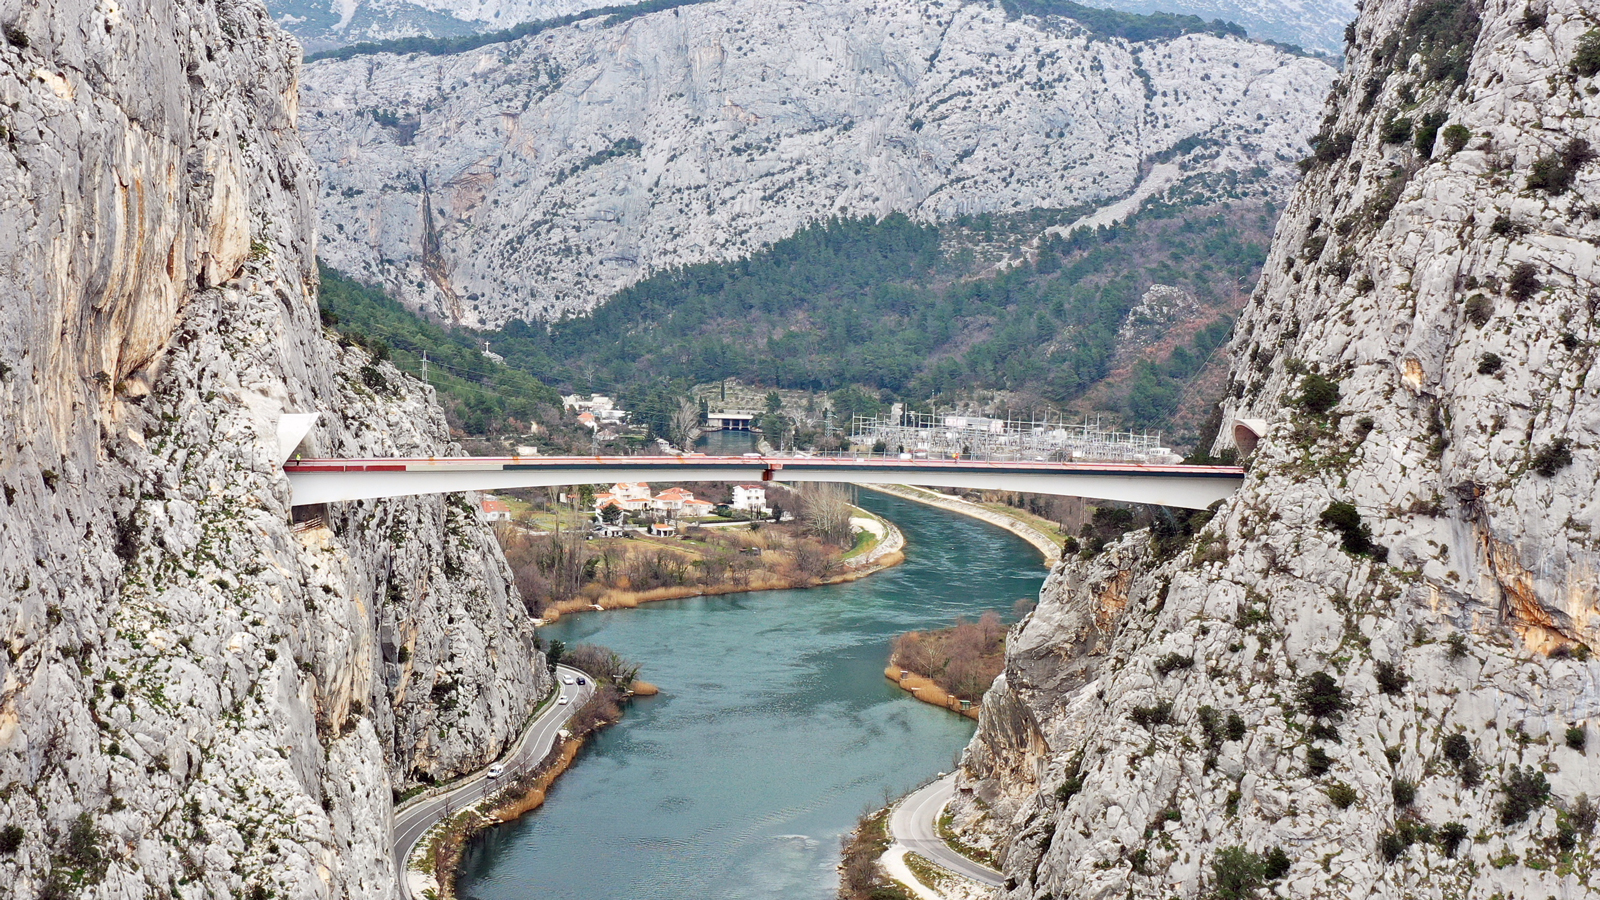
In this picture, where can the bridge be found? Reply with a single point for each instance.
(316, 481)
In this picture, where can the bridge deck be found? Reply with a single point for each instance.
(331, 480)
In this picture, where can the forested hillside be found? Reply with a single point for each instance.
(894, 306)
(906, 310)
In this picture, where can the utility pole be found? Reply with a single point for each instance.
(424, 366)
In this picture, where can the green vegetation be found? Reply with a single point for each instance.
(1327, 148)
(1172, 662)
(1586, 61)
(1404, 792)
(1216, 728)
(869, 310)
(1239, 874)
(1392, 679)
(1553, 457)
(1355, 536)
(441, 46)
(1525, 790)
(1107, 24)
(1478, 309)
(629, 146)
(1457, 751)
(1152, 716)
(1396, 841)
(1444, 32)
(1524, 282)
(1428, 132)
(1577, 737)
(1450, 836)
(1489, 363)
(1396, 130)
(1318, 762)
(10, 839)
(1318, 394)
(1554, 173)
(1456, 137)
(1341, 795)
(900, 307)
(478, 395)
(1321, 697)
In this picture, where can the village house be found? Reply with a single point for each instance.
(628, 496)
(751, 498)
(669, 505)
(600, 409)
(494, 510)
(670, 501)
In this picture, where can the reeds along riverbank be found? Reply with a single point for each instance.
(924, 689)
(618, 598)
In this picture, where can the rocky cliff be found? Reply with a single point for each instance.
(1370, 673)
(197, 699)
(537, 177)
(1316, 25)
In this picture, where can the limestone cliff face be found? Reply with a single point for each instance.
(1436, 267)
(537, 177)
(195, 699)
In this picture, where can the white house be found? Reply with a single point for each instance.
(630, 496)
(671, 501)
(495, 510)
(600, 409)
(750, 498)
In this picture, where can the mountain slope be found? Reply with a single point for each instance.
(1316, 25)
(198, 699)
(535, 178)
(1375, 658)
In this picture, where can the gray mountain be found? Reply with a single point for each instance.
(536, 177)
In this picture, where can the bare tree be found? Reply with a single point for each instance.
(685, 424)
(825, 508)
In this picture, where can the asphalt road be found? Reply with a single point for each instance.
(413, 821)
(915, 826)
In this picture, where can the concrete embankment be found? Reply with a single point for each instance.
(1047, 546)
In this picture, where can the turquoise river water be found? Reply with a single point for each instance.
(774, 730)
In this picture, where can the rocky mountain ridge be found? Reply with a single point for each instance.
(535, 178)
(1370, 672)
(1316, 25)
(198, 699)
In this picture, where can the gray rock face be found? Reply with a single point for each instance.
(1458, 633)
(538, 177)
(195, 699)
(1316, 25)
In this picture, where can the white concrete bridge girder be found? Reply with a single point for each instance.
(1166, 488)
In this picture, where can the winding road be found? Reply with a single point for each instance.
(411, 822)
(914, 825)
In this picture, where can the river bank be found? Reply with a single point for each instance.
(438, 863)
(928, 691)
(776, 730)
(878, 554)
(1048, 546)
(519, 780)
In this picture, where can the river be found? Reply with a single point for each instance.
(774, 730)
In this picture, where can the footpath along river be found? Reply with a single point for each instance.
(775, 728)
